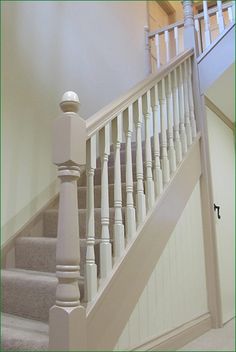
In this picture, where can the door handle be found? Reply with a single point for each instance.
(217, 209)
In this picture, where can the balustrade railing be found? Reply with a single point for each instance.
(168, 42)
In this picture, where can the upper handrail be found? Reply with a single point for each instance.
(106, 114)
(180, 24)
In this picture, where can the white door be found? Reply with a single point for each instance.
(221, 142)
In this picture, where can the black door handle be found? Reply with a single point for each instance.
(217, 209)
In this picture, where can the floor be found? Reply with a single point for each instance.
(214, 340)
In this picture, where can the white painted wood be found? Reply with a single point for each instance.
(183, 136)
(230, 15)
(206, 24)
(105, 245)
(157, 173)
(140, 197)
(171, 148)
(158, 56)
(149, 184)
(190, 95)
(199, 38)
(220, 18)
(167, 45)
(222, 158)
(233, 10)
(90, 265)
(164, 155)
(68, 134)
(130, 222)
(186, 105)
(176, 115)
(176, 290)
(176, 36)
(119, 239)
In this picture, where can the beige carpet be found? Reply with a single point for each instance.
(215, 340)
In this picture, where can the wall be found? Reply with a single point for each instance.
(222, 158)
(176, 291)
(94, 48)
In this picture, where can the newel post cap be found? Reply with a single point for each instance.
(70, 102)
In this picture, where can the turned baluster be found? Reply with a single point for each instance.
(191, 103)
(177, 141)
(119, 240)
(176, 36)
(164, 155)
(220, 18)
(167, 44)
(105, 245)
(206, 24)
(149, 184)
(130, 222)
(157, 42)
(183, 136)
(186, 105)
(140, 197)
(90, 265)
(69, 152)
(158, 177)
(171, 148)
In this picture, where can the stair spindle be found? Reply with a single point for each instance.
(130, 222)
(149, 184)
(140, 196)
(157, 42)
(158, 177)
(199, 38)
(105, 245)
(186, 105)
(164, 154)
(206, 24)
(220, 18)
(119, 239)
(183, 136)
(177, 141)
(171, 148)
(167, 44)
(90, 265)
(191, 103)
(69, 153)
(230, 14)
(176, 36)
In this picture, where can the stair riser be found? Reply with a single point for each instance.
(111, 158)
(51, 219)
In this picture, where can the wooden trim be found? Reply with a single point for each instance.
(219, 113)
(116, 299)
(167, 7)
(178, 24)
(212, 11)
(106, 114)
(178, 337)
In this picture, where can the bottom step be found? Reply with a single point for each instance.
(20, 334)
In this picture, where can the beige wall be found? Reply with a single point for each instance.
(94, 48)
(176, 291)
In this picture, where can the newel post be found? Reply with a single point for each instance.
(190, 39)
(67, 317)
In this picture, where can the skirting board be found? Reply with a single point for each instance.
(178, 337)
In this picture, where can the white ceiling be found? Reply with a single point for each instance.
(222, 92)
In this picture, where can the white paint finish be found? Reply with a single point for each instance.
(176, 290)
(222, 92)
(50, 47)
(222, 156)
(210, 73)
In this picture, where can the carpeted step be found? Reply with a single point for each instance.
(82, 193)
(39, 254)
(111, 158)
(97, 176)
(29, 294)
(21, 334)
(50, 218)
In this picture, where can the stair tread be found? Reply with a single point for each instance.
(22, 334)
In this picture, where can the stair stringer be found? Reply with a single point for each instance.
(119, 293)
(223, 45)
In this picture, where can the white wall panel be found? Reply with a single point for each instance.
(176, 291)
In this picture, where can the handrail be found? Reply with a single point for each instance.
(180, 24)
(106, 114)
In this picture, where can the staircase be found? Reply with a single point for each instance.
(136, 151)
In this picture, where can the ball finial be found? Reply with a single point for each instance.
(70, 102)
